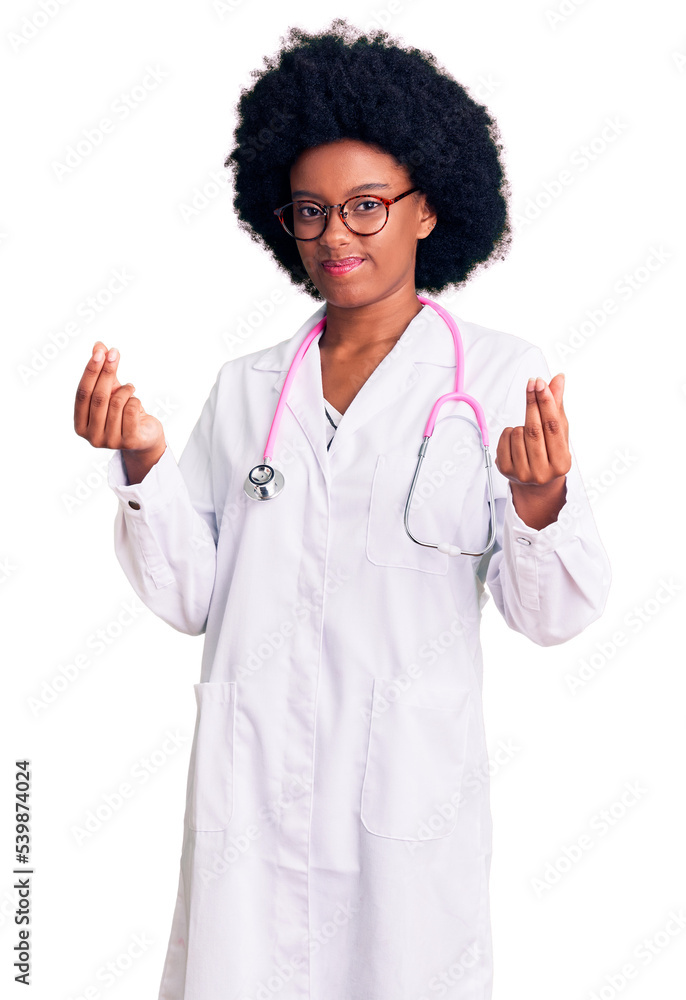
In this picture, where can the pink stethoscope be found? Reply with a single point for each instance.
(264, 482)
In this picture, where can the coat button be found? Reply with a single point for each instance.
(524, 541)
(134, 504)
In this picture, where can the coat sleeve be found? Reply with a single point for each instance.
(165, 530)
(548, 584)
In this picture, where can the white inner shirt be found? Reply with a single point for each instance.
(330, 427)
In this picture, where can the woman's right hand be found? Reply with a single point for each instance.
(108, 415)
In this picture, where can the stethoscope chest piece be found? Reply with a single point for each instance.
(263, 482)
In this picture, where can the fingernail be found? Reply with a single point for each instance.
(99, 355)
(530, 385)
(540, 384)
(112, 354)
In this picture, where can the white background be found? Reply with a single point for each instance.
(554, 75)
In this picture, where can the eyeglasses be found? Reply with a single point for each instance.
(368, 214)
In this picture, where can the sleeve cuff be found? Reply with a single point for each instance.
(155, 491)
(544, 540)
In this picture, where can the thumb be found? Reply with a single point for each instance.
(557, 386)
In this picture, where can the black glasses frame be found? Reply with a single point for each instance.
(387, 202)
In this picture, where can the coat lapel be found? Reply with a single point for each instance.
(305, 398)
(426, 339)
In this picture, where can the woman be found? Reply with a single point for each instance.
(337, 832)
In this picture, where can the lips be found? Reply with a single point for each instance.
(340, 260)
(341, 266)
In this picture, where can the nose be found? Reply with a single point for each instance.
(335, 228)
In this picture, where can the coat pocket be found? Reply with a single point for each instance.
(388, 544)
(415, 761)
(449, 502)
(209, 802)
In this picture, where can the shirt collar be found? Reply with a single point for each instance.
(426, 339)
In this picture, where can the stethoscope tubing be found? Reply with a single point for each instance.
(268, 482)
(295, 364)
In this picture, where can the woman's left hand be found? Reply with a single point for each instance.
(536, 457)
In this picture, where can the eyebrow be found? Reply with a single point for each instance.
(356, 190)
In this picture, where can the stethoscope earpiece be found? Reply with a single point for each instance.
(263, 482)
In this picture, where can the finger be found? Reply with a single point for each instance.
(503, 453)
(533, 437)
(554, 427)
(115, 411)
(99, 343)
(84, 390)
(521, 462)
(100, 398)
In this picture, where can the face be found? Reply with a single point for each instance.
(328, 174)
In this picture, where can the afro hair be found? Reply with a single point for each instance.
(341, 84)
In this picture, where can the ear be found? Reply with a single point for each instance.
(428, 219)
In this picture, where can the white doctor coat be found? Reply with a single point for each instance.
(335, 846)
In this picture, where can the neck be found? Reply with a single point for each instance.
(368, 329)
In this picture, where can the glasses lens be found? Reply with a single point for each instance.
(306, 221)
(365, 215)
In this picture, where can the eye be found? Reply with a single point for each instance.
(308, 211)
